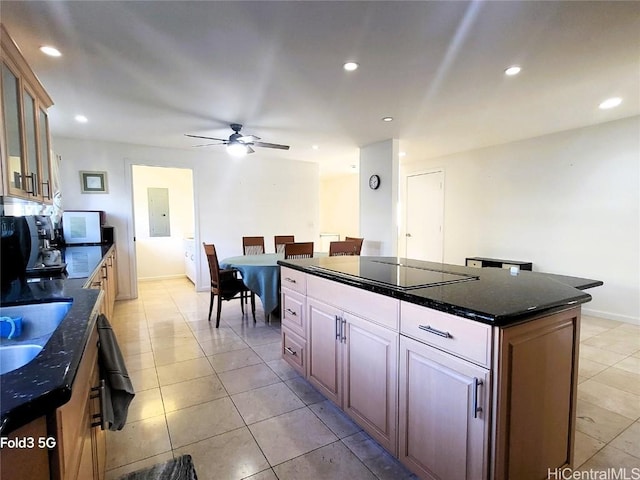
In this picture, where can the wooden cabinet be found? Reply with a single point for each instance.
(105, 279)
(452, 398)
(353, 362)
(536, 395)
(444, 413)
(80, 451)
(294, 321)
(32, 460)
(24, 134)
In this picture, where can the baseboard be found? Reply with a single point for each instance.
(611, 316)
(163, 277)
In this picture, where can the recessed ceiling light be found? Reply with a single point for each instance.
(513, 70)
(315, 147)
(81, 119)
(51, 51)
(402, 154)
(350, 66)
(387, 119)
(610, 103)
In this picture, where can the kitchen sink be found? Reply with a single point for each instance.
(38, 319)
(13, 357)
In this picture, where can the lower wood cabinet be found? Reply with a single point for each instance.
(105, 279)
(450, 397)
(353, 362)
(80, 451)
(443, 414)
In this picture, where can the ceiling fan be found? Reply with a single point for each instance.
(239, 144)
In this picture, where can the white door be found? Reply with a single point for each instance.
(425, 216)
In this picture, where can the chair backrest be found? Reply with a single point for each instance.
(343, 248)
(298, 250)
(358, 242)
(280, 240)
(214, 266)
(252, 245)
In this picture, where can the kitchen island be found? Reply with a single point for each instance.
(459, 372)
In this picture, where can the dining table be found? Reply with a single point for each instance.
(261, 274)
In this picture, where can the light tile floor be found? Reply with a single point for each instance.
(227, 398)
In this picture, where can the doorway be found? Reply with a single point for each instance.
(161, 229)
(425, 216)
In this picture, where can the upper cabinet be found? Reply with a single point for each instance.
(25, 143)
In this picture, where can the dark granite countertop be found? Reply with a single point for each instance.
(45, 383)
(490, 295)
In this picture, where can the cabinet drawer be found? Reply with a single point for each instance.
(293, 350)
(293, 279)
(372, 306)
(464, 338)
(474, 263)
(293, 311)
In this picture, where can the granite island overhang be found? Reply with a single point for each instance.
(490, 295)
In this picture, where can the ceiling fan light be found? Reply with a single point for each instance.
(237, 149)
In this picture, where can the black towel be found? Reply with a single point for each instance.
(118, 387)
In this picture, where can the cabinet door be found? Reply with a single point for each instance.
(292, 304)
(370, 359)
(31, 142)
(13, 156)
(444, 403)
(324, 349)
(46, 187)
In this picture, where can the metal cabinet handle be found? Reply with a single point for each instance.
(48, 185)
(476, 409)
(440, 333)
(338, 325)
(291, 312)
(96, 284)
(292, 352)
(290, 280)
(33, 186)
(100, 393)
(343, 331)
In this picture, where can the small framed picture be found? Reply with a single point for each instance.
(93, 182)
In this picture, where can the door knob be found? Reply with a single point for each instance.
(408, 234)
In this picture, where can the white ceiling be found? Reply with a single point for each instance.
(149, 72)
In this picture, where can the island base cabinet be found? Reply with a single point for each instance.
(353, 363)
(536, 396)
(443, 414)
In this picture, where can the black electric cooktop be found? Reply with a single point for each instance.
(395, 275)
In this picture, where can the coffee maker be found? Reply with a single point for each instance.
(26, 248)
(42, 257)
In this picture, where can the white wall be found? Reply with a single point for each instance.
(339, 205)
(378, 208)
(162, 257)
(233, 197)
(569, 202)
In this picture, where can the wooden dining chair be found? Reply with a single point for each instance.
(280, 240)
(252, 245)
(225, 284)
(358, 241)
(298, 250)
(343, 248)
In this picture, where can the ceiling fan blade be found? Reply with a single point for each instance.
(207, 144)
(271, 145)
(208, 138)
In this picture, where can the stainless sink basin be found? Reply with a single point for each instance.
(16, 356)
(38, 319)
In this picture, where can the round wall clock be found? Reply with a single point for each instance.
(374, 181)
